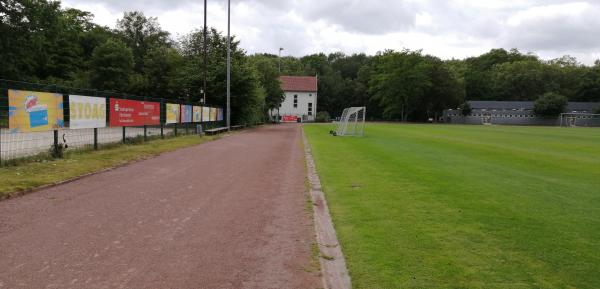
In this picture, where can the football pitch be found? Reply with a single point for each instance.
(440, 206)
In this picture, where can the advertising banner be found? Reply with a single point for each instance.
(205, 113)
(30, 111)
(86, 112)
(219, 114)
(186, 113)
(197, 111)
(289, 118)
(124, 112)
(213, 114)
(173, 113)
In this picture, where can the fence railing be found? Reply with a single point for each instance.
(37, 120)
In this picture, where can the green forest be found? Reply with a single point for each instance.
(43, 42)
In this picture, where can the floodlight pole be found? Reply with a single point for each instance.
(280, 49)
(228, 65)
(205, 56)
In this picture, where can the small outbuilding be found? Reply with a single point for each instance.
(300, 103)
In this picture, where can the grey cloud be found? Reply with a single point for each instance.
(567, 33)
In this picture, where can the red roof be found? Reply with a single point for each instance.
(299, 83)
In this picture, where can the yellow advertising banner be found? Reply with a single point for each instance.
(31, 111)
(173, 113)
(213, 114)
(205, 114)
(197, 114)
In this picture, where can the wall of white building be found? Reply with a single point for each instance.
(301, 107)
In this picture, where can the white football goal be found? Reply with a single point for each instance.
(575, 119)
(352, 122)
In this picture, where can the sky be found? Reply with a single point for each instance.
(444, 28)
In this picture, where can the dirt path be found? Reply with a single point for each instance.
(226, 214)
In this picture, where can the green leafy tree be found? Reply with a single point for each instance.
(550, 104)
(111, 66)
(590, 84)
(520, 80)
(141, 34)
(161, 72)
(399, 81)
(268, 76)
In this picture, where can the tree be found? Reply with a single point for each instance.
(520, 80)
(161, 72)
(590, 84)
(247, 93)
(141, 34)
(465, 108)
(446, 91)
(399, 81)
(268, 76)
(550, 104)
(111, 66)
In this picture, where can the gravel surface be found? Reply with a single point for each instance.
(225, 214)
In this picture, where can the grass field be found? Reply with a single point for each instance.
(437, 206)
(30, 175)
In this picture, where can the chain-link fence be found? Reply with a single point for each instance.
(18, 142)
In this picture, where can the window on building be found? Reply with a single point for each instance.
(295, 101)
(310, 108)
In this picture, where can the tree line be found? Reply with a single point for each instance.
(42, 42)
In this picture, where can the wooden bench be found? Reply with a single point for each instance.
(215, 130)
(239, 126)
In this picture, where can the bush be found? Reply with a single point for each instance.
(597, 110)
(322, 116)
(465, 108)
(550, 104)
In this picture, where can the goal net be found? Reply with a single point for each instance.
(352, 122)
(579, 119)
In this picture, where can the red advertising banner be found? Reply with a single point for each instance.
(289, 118)
(124, 112)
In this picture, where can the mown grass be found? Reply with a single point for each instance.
(28, 175)
(437, 206)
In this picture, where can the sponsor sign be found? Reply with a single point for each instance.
(31, 111)
(86, 112)
(124, 112)
(186, 113)
(197, 112)
(173, 113)
(205, 113)
(289, 118)
(219, 114)
(213, 114)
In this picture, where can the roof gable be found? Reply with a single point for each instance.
(299, 83)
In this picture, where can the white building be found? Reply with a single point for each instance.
(300, 103)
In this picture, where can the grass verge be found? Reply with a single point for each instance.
(439, 206)
(27, 176)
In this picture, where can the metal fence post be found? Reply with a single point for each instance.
(162, 133)
(55, 142)
(95, 138)
(175, 129)
(145, 133)
(123, 134)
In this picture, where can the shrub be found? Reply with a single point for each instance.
(550, 104)
(322, 116)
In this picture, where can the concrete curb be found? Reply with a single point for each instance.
(333, 265)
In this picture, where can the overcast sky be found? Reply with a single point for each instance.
(445, 28)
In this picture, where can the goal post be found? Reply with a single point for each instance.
(575, 119)
(352, 122)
